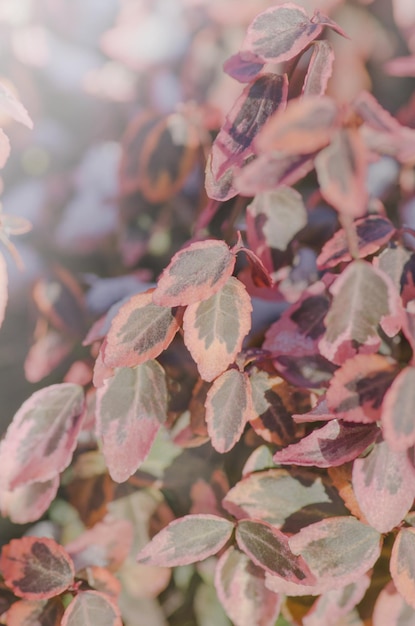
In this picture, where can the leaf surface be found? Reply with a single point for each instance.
(228, 408)
(35, 613)
(131, 406)
(338, 550)
(187, 540)
(91, 608)
(36, 568)
(398, 411)
(28, 503)
(270, 170)
(402, 564)
(11, 105)
(140, 331)
(215, 328)
(42, 436)
(243, 67)
(332, 605)
(391, 608)
(194, 273)
(319, 69)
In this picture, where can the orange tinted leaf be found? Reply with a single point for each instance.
(215, 328)
(91, 608)
(35, 613)
(195, 273)
(36, 568)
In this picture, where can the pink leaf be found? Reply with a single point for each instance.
(228, 408)
(269, 171)
(372, 232)
(358, 387)
(242, 66)
(341, 170)
(10, 105)
(215, 328)
(338, 550)
(140, 331)
(42, 436)
(391, 609)
(234, 143)
(332, 605)
(3, 288)
(46, 354)
(195, 273)
(333, 444)
(319, 70)
(402, 564)
(269, 548)
(363, 297)
(28, 503)
(384, 486)
(131, 406)
(187, 540)
(36, 568)
(397, 411)
(35, 613)
(241, 589)
(306, 125)
(90, 608)
(4, 148)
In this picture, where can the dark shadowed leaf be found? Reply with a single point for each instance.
(402, 565)
(275, 495)
(363, 297)
(372, 233)
(319, 70)
(215, 328)
(35, 613)
(140, 331)
(131, 406)
(333, 444)
(341, 170)
(36, 568)
(187, 540)
(398, 411)
(335, 604)
(268, 548)
(280, 33)
(306, 125)
(91, 608)
(391, 609)
(240, 585)
(243, 66)
(195, 273)
(42, 436)
(234, 143)
(28, 503)
(384, 486)
(338, 550)
(358, 387)
(228, 408)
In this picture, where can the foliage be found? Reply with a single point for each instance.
(222, 428)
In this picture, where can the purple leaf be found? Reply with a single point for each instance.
(244, 67)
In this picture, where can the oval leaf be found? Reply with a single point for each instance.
(35, 613)
(27, 503)
(391, 609)
(338, 550)
(42, 436)
(215, 328)
(140, 331)
(228, 408)
(187, 540)
(195, 273)
(398, 411)
(320, 69)
(402, 564)
(91, 608)
(36, 568)
(131, 406)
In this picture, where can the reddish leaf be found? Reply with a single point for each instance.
(91, 608)
(335, 604)
(357, 388)
(338, 550)
(397, 411)
(320, 412)
(268, 548)
(228, 408)
(36, 568)
(140, 331)
(275, 495)
(215, 328)
(3, 288)
(402, 564)
(46, 354)
(372, 233)
(131, 406)
(28, 503)
(242, 66)
(271, 170)
(331, 445)
(104, 581)
(306, 125)
(187, 540)
(42, 436)
(280, 33)
(195, 273)
(384, 486)
(35, 613)
(319, 69)
(242, 592)
(363, 297)
(233, 144)
(10, 105)
(341, 170)
(391, 609)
